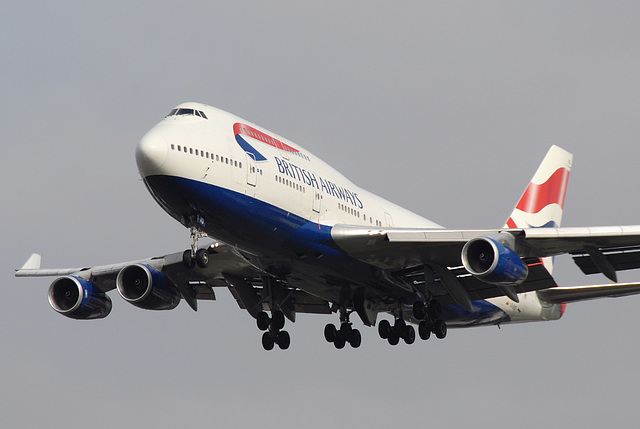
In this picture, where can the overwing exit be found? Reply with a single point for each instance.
(286, 234)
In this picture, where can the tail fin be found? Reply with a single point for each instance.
(542, 203)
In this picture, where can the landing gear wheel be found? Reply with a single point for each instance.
(356, 339)
(440, 329)
(399, 326)
(202, 258)
(393, 339)
(424, 331)
(339, 343)
(419, 310)
(267, 341)
(330, 333)
(262, 320)
(345, 331)
(284, 340)
(434, 309)
(187, 260)
(277, 318)
(409, 335)
(384, 329)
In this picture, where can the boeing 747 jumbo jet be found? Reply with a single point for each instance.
(296, 236)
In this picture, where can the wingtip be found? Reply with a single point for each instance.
(33, 263)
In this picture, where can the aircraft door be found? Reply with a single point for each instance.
(252, 170)
(388, 220)
(317, 201)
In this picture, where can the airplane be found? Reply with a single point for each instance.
(286, 233)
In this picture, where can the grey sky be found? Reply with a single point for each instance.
(442, 107)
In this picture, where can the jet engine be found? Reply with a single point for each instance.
(147, 288)
(78, 298)
(490, 259)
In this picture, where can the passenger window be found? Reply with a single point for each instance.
(196, 152)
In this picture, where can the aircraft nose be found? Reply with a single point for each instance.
(151, 153)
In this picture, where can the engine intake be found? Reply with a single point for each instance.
(147, 288)
(492, 261)
(78, 299)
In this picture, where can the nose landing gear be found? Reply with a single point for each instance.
(194, 256)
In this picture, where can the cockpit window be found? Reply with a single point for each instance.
(184, 111)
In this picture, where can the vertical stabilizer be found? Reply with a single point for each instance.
(542, 203)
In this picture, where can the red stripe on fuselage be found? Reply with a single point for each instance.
(249, 131)
(553, 191)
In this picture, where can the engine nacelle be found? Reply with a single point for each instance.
(147, 288)
(78, 299)
(492, 261)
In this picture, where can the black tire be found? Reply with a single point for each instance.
(419, 310)
(345, 331)
(399, 325)
(330, 332)
(424, 331)
(440, 329)
(339, 343)
(262, 320)
(384, 329)
(393, 339)
(356, 339)
(277, 318)
(435, 309)
(409, 335)
(284, 340)
(187, 260)
(267, 341)
(202, 258)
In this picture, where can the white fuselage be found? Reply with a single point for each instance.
(245, 168)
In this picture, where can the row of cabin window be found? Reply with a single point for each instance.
(204, 154)
(356, 213)
(301, 155)
(291, 184)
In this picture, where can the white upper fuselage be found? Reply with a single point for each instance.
(207, 150)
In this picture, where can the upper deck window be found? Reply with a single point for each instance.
(184, 111)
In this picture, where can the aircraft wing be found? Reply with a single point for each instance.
(596, 249)
(226, 268)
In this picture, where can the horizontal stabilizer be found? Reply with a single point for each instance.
(560, 295)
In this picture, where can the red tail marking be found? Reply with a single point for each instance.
(537, 197)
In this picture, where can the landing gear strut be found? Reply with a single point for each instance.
(273, 330)
(345, 334)
(194, 256)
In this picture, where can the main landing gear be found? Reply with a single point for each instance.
(345, 334)
(194, 256)
(273, 330)
(430, 321)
